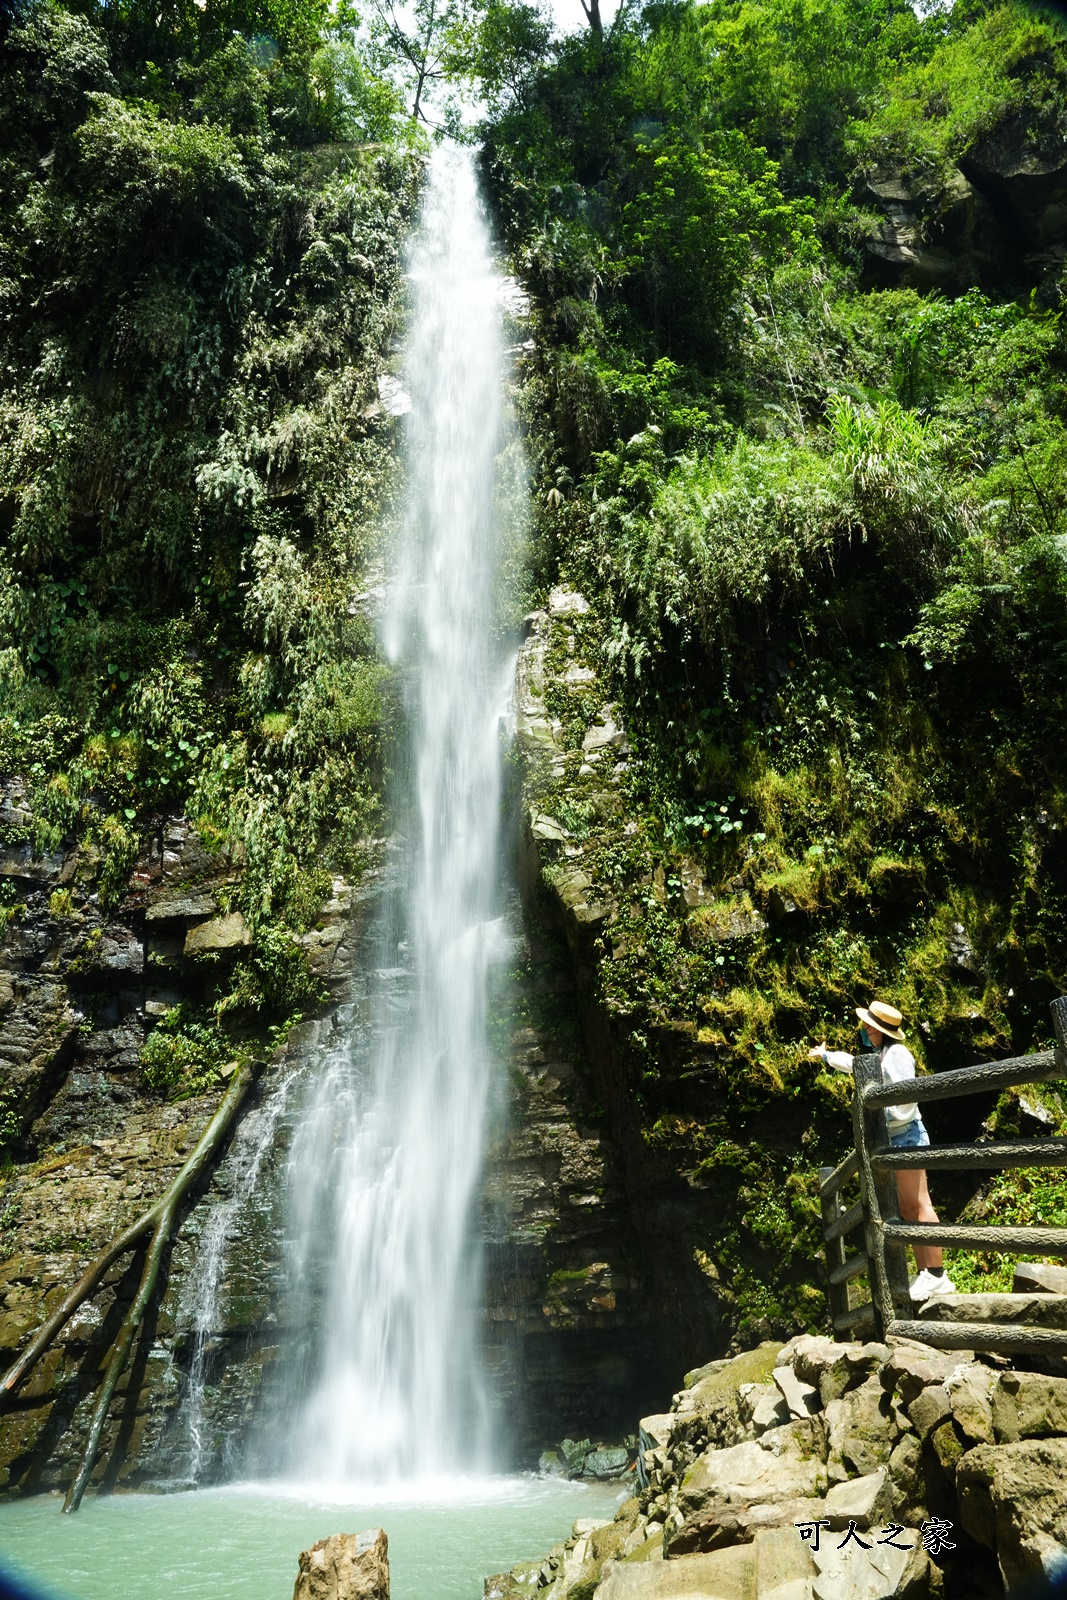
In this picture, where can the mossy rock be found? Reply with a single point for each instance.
(651, 1550)
(900, 882)
(752, 1366)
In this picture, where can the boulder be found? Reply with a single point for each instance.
(723, 1525)
(970, 1390)
(1038, 1277)
(864, 1501)
(1011, 1500)
(1027, 1405)
(723, 1575)
(522, 1580)
(775, 1566)
(801, 1398)
(862, 1430)
(884, 1572)
(929, 1409)
(948, 1446)
(910, 1369)
(221, 933)
(784, 1464)
(830, 1367)
(655, 1430)
(709, 1405)
(346, 1566)
(606, 1462)
(762, 1406)
(810, 1354)
(854, 1366)
(907, 1482)
(698, 1374)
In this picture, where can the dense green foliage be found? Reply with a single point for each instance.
(199, 260)
(183, 1056)
(823, 523)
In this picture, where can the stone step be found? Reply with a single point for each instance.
(1040, 1310)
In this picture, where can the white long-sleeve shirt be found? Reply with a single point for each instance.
(898, 1063)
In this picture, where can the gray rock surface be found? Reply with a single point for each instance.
(1012, 1500)
(1040, 1277)
(346, 1566)
(903, 1454)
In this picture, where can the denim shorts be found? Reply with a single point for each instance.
(913, 1137)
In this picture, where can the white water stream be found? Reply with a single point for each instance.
(386, 1162)
(198, 1313)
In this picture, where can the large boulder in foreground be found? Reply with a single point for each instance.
(346, 1566)
(1011, 1499)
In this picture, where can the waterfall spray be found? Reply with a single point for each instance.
(386, 1163)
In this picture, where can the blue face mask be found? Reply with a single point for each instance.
(865, 1039)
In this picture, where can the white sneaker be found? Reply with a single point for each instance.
(927, 1284)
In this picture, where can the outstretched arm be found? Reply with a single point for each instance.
(840, 1060)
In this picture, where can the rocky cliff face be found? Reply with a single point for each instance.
(82, 988)
(997, 218)
(623, 1284)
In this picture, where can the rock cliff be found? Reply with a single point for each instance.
(83, 987)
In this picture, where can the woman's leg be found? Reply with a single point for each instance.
(916, 1206)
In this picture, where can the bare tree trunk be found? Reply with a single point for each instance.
(417, 108)
(592, 16)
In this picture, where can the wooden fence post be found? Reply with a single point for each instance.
(888, 1262)
(1059, 1023)
(836, 1293)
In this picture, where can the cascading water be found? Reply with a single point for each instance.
(198, 1312)
(386, 1162)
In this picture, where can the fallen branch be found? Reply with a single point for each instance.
(81, 1291)
(159, 1221)
(161, 1218)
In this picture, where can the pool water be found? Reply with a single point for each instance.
(242, 1542)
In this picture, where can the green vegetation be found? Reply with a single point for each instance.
(184, 1056)
(203, 218)
(821, 517)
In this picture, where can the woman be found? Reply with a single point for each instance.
(880, 1030)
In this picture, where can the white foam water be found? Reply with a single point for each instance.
(386, 1161)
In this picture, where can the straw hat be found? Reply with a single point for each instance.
(886, 1019)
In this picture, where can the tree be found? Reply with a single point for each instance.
(421, 41)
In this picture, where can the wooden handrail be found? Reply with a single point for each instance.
(854, 1267)
(986, 1075)
(990, 1157)
(839, 1176)
(883, 1258)
(979, 1335)
(1033, 1238)
(854, 1318)
(844, 1223)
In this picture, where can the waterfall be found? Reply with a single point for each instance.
(198, 1312)
(386, 1162)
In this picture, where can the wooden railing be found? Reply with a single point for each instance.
(873, 1165)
